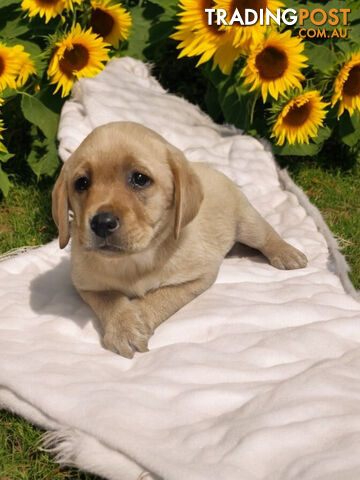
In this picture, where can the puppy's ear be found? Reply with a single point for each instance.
(188, 189)
(60, 208)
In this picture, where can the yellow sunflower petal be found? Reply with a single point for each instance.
(10, 66)
(275, 64)
(300, 119)
(26, 65)
(197, 38)
(112, 22)
(248, 35)
(48, 9)
(79, 54)
(347, 86)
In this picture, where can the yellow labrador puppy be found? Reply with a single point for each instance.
(150, 229)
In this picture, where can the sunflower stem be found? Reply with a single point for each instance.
(252, 111)
(74, 20)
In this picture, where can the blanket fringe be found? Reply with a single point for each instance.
(17, 251)
(72, 448)
(60, 444)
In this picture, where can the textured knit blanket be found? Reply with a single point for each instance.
(257, 378)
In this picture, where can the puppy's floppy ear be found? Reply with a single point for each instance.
(60, 208)
(188, 189)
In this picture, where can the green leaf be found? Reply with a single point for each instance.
(5, 156)
(37, 113)
(8, 93)
(7, 3)
(4, 182)
(169, 6)
(320, 57)
(139, 34)
(323, 134)
(14, 28)
(304, 150)
(51, 101)
(349, 129)
(43, 158)
(355, 33)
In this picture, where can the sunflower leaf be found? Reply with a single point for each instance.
(305, 149)
(349, 129)
(7, 3)
(43, 158)
(320, 57)
(169, 6)
(13, 28)
(5, 156)
(139, 34)
(37, 113)
(4, 182)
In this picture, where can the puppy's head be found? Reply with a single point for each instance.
(127, 187)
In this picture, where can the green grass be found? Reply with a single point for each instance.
(25, 216)
(25, 219)
(336, 193)
(22, 459)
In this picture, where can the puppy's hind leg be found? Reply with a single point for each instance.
(253, 230)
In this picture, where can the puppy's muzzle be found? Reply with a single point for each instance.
(104, 224)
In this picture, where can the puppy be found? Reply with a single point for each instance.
(150, 229)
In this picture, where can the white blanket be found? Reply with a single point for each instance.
(257, 378)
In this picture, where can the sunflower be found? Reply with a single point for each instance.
(347, 86)
(300, 118)
(26, 65)
(9, 67)
(47, 8)
(112, 22)
(246, 35)
(200, 39)
(274, 65)
(2, 146)
(79, 54)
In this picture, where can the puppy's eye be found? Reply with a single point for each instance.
(140, 180)
(81, 184)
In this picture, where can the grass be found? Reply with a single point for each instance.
(25, 216)
(336, 193)
(22, 459)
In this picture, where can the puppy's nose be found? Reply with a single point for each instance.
(104, 224)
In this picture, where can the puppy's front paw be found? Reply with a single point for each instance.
(127, 333)
(288, 258)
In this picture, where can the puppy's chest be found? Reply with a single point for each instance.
(131, 279)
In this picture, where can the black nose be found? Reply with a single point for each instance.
(104, 224)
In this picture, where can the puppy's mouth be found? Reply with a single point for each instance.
(106, 248)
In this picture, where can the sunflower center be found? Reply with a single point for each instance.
(101, 22)
(214, 28)
(297, 116)
(241, 5)
(271, 63)
(2, 66)
(352, 85)
(47, 3)
(74, 60)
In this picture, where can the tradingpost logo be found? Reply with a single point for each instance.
(311, 23)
